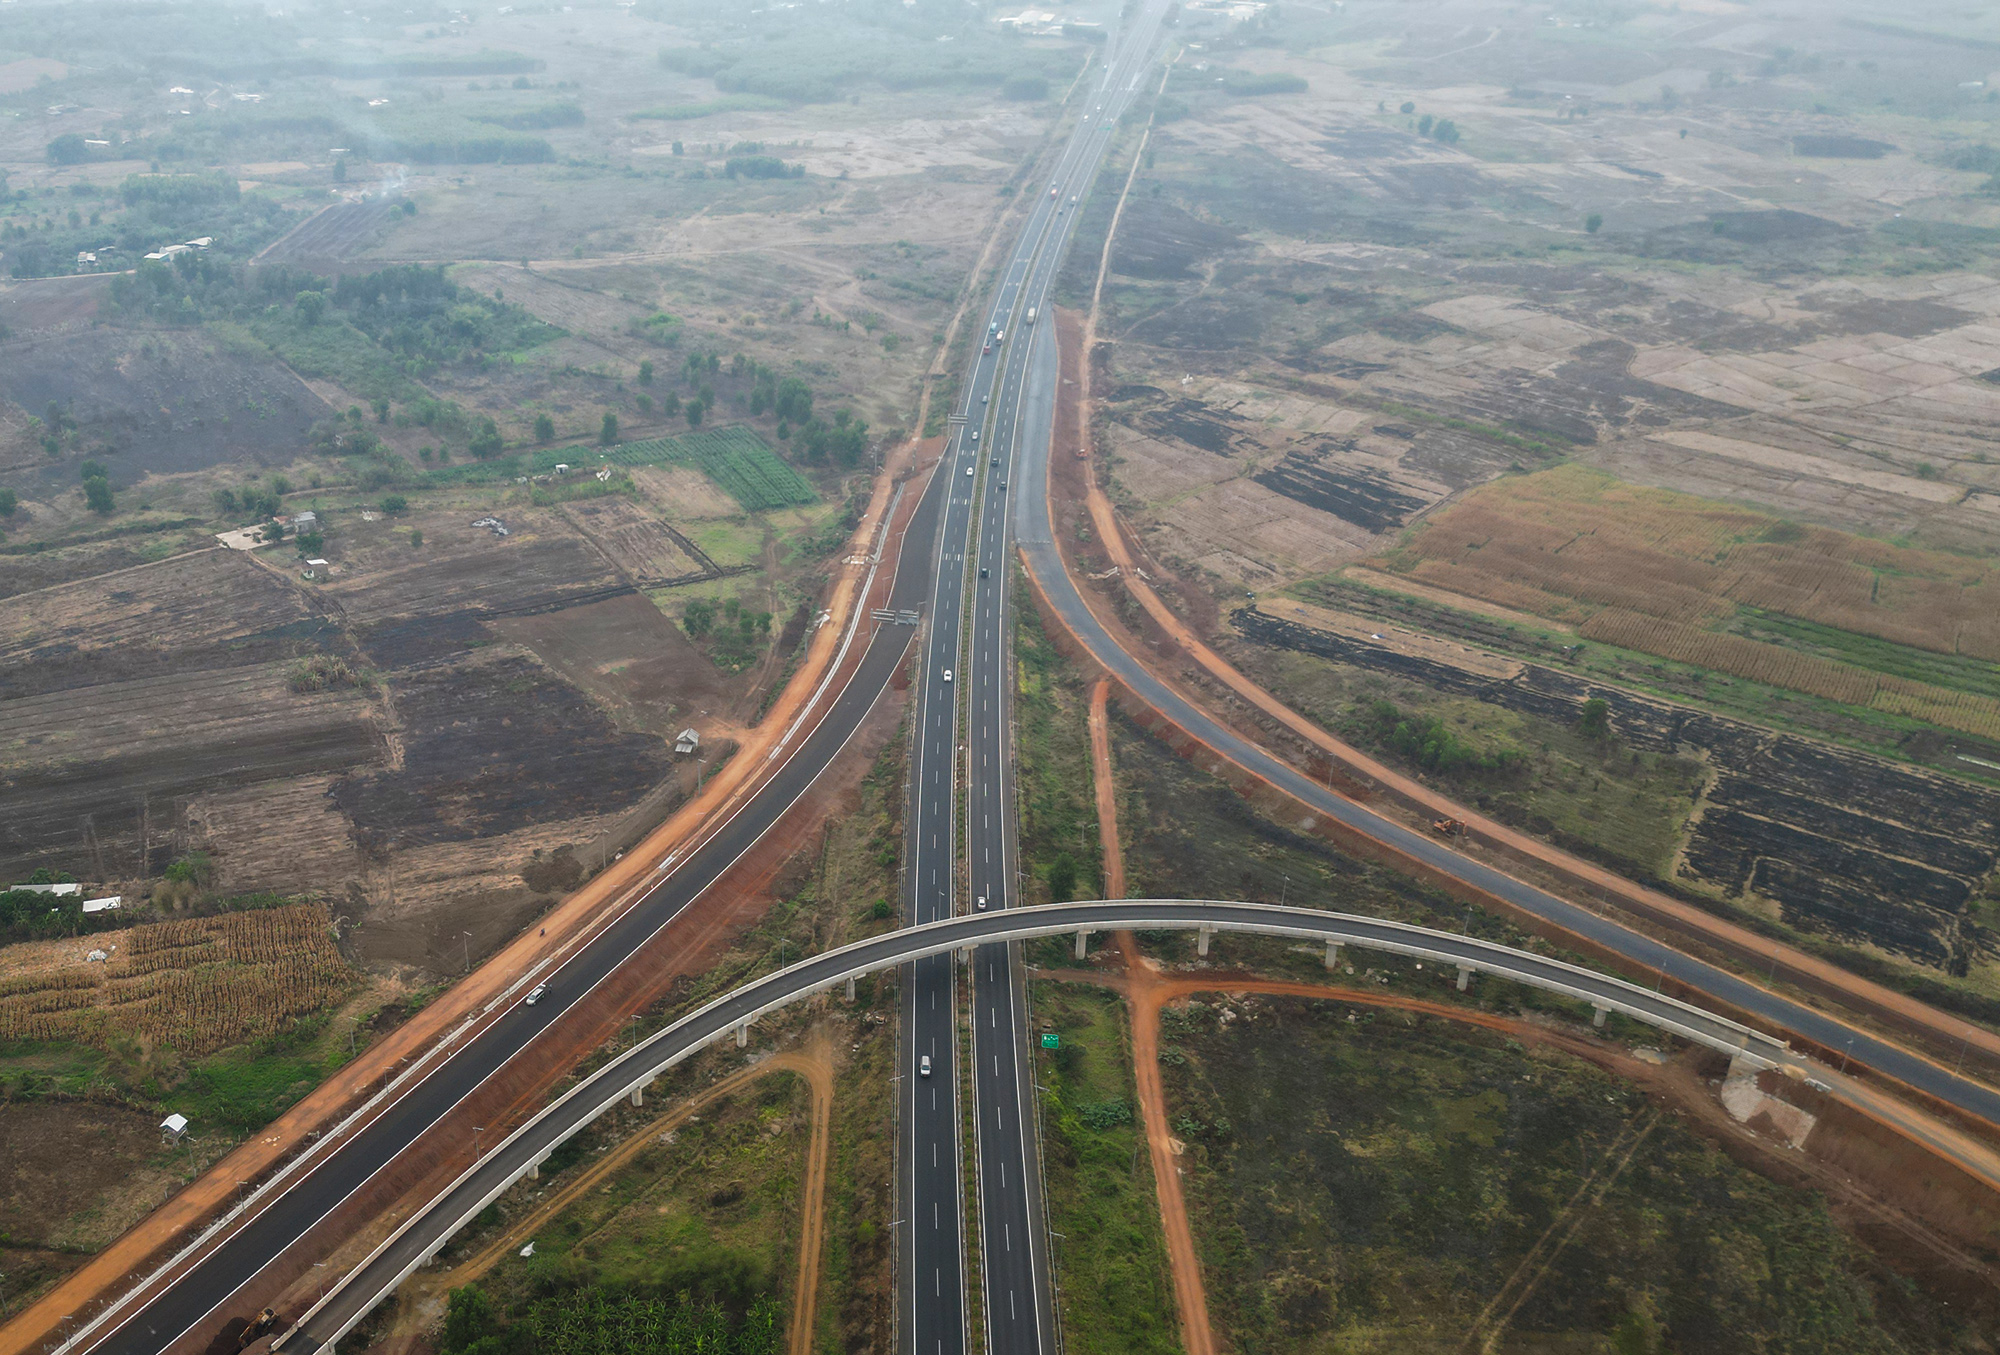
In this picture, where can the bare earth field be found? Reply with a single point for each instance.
(1510, 365)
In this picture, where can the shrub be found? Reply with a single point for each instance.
(9, 501)
(97, 493)
(545, 428)
(395, 503)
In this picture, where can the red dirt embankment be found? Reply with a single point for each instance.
(1179, 657)
(684, 948)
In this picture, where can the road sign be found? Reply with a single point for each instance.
(1051, 1041)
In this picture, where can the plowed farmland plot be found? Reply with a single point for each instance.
(1669, 574)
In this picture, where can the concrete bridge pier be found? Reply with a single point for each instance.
(1332, 954)
(1597, 1015)
(1201, 946)
(850, 987)
(743, 1035)
(638, 1096)
(1464, 977)
(1083, 942)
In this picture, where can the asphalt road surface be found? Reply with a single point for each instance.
(1018, 1310)
(202, 1293)
(426, 1232)
(1033, 526)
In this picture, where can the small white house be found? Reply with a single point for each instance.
(61, 891)
(104, 905)
(688, 741)
(174, 1127)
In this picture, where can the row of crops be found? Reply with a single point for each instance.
(734, 457)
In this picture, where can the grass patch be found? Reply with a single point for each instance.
(1059, 832)
(1111, 1260)
(1373, 1184)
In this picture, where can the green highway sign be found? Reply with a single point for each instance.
(1052, 1041)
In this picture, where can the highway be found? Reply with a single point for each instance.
(202, 1292)
(1035, 529)
(1018, 1309)
(427, 1231)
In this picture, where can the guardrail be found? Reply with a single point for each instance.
(421, 1237)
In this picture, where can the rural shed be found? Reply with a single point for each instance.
(60, 891)
(687, 742)
(103, 905)
(174, 1126)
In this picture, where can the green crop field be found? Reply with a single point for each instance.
(735, 458)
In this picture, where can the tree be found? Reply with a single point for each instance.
(395, 503)
(794, 400)
(68, 149)
(672, 404)
(486, 442)
(1446, 132)
(97, 493)
(310, 543)
(1407, 108)
(1593, 222)
(9, 501)
(699, 618)
(694, 411)
(92, 470)
(381, 410)
(468, 1319)
(646, 372)
(1595, 720)
(273, 531)
(312, 306)
(1424, 125)
(545, 428)
(1062, 878)
(608, 434)
(416, 537)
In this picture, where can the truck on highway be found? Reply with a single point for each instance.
(1031, 315)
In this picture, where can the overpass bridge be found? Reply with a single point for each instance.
(730, 1016)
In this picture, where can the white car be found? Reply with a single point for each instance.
(982, 903)
(541, 991)
(968, 470)
(984, 398)
(947, 675)
(924, 1066)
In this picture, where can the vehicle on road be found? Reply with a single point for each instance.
(982, 897)
(924, 1066)
(947, 675)
(540, 991)
(999, 334)
(1003, 484)
(984, 398)
(982, 571)
(1052, 190)
(975, 435)
(968, 471)
(1031, 315)
(996, 458)
(987, 349)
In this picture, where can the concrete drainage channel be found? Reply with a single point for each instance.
(730, 1016)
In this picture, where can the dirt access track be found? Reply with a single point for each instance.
(374, 1081)
(1179, 658)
